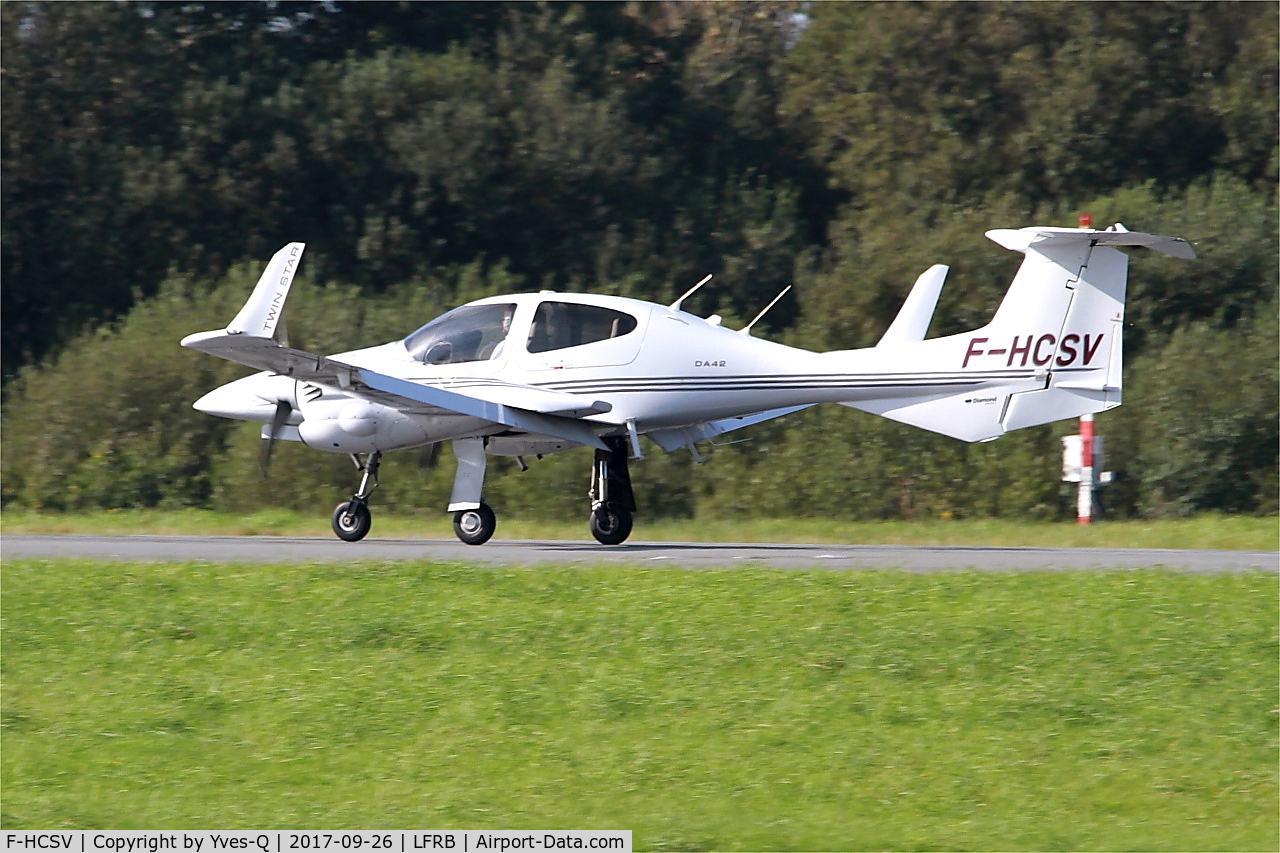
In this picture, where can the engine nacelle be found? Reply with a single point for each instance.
(253, 398)
(359, 419)
(340, 424)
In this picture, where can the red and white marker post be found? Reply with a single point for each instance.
(1084, 494)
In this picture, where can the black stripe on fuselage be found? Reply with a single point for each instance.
(750, 382)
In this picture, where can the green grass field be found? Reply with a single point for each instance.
(1202, 531)
(739, 710)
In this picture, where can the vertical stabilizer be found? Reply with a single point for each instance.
(1084, 372)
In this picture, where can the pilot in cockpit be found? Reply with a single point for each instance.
(499, 347)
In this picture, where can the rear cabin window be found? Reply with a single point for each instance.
(558, 325)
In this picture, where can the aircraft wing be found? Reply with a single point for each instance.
(523, 407)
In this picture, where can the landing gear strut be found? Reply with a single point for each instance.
(473, 520)
(612, 501)
(352, 519)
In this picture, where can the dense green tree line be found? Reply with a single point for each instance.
(155, 154)
(575, 145)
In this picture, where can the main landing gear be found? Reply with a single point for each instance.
(352, 519)
(612, 501)
(473, 520)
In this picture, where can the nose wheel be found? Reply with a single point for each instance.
(351, 519)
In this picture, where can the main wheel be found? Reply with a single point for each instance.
(610, 525)
(352, 520)
(475, 526)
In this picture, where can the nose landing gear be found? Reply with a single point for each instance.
(351, 519)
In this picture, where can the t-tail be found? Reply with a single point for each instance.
(1053, 350)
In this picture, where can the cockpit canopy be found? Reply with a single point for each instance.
(469, 333)
(479, 332)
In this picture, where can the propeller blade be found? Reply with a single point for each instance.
(283, 410)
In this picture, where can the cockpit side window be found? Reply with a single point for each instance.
(469, 333)
(559, 325)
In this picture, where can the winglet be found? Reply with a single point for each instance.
(259, 316)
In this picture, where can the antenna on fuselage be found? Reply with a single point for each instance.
(746, 330)
(675, 306)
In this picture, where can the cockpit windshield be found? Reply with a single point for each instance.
(469, 333)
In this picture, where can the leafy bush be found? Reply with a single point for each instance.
(1208, 424)
(109, 423)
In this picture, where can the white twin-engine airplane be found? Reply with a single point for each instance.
(537, 373)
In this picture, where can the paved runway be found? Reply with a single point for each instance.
(268, 549)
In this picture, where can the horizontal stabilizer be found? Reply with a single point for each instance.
(1056, 404)
(973, 416)
(987, 414)
(1020, 239)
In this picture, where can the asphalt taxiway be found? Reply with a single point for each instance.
(706, 555)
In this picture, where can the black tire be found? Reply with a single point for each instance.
(352, 520)
(475, 526)
(610, 525)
